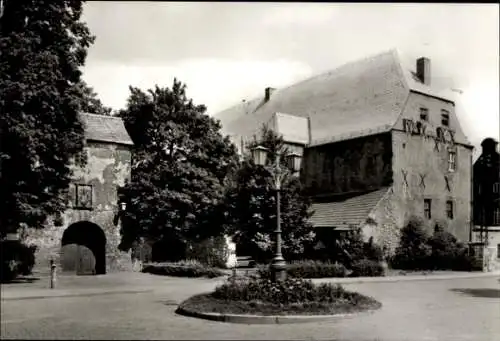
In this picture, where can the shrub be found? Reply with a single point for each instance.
(372, 251)
(213, 252)
(291, 290)
(16, 259)
(182, 269)
(367, 268)
(307, 269)
(441, 251)
(413, 251)
(349, 248)
(316, 269)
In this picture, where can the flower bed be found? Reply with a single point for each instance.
(290, 297)
(182, 269)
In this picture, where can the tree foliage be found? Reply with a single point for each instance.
(90, 101)
(180, 165)
(251, 203)
(43, 44)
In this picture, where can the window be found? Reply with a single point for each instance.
(496, 216)
(427, 208)
(452, 161)
(424, 114)
(496, 187)
(83, 197)
(445, 118)
(449, 209)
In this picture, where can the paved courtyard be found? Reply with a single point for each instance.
(141, 306)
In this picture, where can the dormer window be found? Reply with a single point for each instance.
(445, 118)
(424, 114)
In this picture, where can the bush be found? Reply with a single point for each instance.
(16, 259)
(348, 248)
(367, 268)
(307, 269)
(413, 251)
(213, 252)
(316, 269)
(441, 251)
(372, 251)
(183, 269)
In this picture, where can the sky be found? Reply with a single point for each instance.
(227, 52)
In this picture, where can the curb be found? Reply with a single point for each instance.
(258, 319)
(80, 294)
(359, 280)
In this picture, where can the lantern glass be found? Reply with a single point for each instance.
(294, 161)
(123, 206)
(259, 155)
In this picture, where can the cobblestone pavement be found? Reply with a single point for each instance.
(454, 309)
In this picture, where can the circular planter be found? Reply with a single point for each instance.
(193, 311)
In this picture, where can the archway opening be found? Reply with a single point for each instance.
(83, 249)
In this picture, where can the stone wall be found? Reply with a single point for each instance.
(421, 170)
(108, 167)
(348, 166)
(384, 222)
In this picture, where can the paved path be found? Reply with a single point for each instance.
(447, 309)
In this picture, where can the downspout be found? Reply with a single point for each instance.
(471, 227)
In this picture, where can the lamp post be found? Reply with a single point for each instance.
(278, 173)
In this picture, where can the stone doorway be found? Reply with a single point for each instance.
(83, 249)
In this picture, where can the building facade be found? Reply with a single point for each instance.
(383, 145)
(85, 238)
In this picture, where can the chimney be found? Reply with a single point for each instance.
(268, 93)
(424, 70)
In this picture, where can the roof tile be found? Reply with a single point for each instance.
(105, 129)
(346, 212)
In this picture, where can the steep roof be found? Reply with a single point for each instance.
(105, 129)
(344, 213)
(360, 98)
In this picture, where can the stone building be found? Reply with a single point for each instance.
(379, 143)
(85, 238)
(486, 199)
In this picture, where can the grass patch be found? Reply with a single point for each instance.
(290, 297)
(190, 269)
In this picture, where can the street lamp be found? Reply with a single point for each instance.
(278, 173)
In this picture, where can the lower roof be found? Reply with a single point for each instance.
(346, 212)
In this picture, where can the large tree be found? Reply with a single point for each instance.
(251, 203)
(43, 45)
(180, 164)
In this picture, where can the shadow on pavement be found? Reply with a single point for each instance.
(21, 280)
(485, 293)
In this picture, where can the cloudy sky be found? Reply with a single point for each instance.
(226, 52)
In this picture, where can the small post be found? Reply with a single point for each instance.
(52, 274)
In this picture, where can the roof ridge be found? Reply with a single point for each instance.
(314, 76)
(337, 68)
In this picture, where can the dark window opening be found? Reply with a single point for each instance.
(424, 114)
(496, 216)
(449, 209)
(445, 118)
(427, 208)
